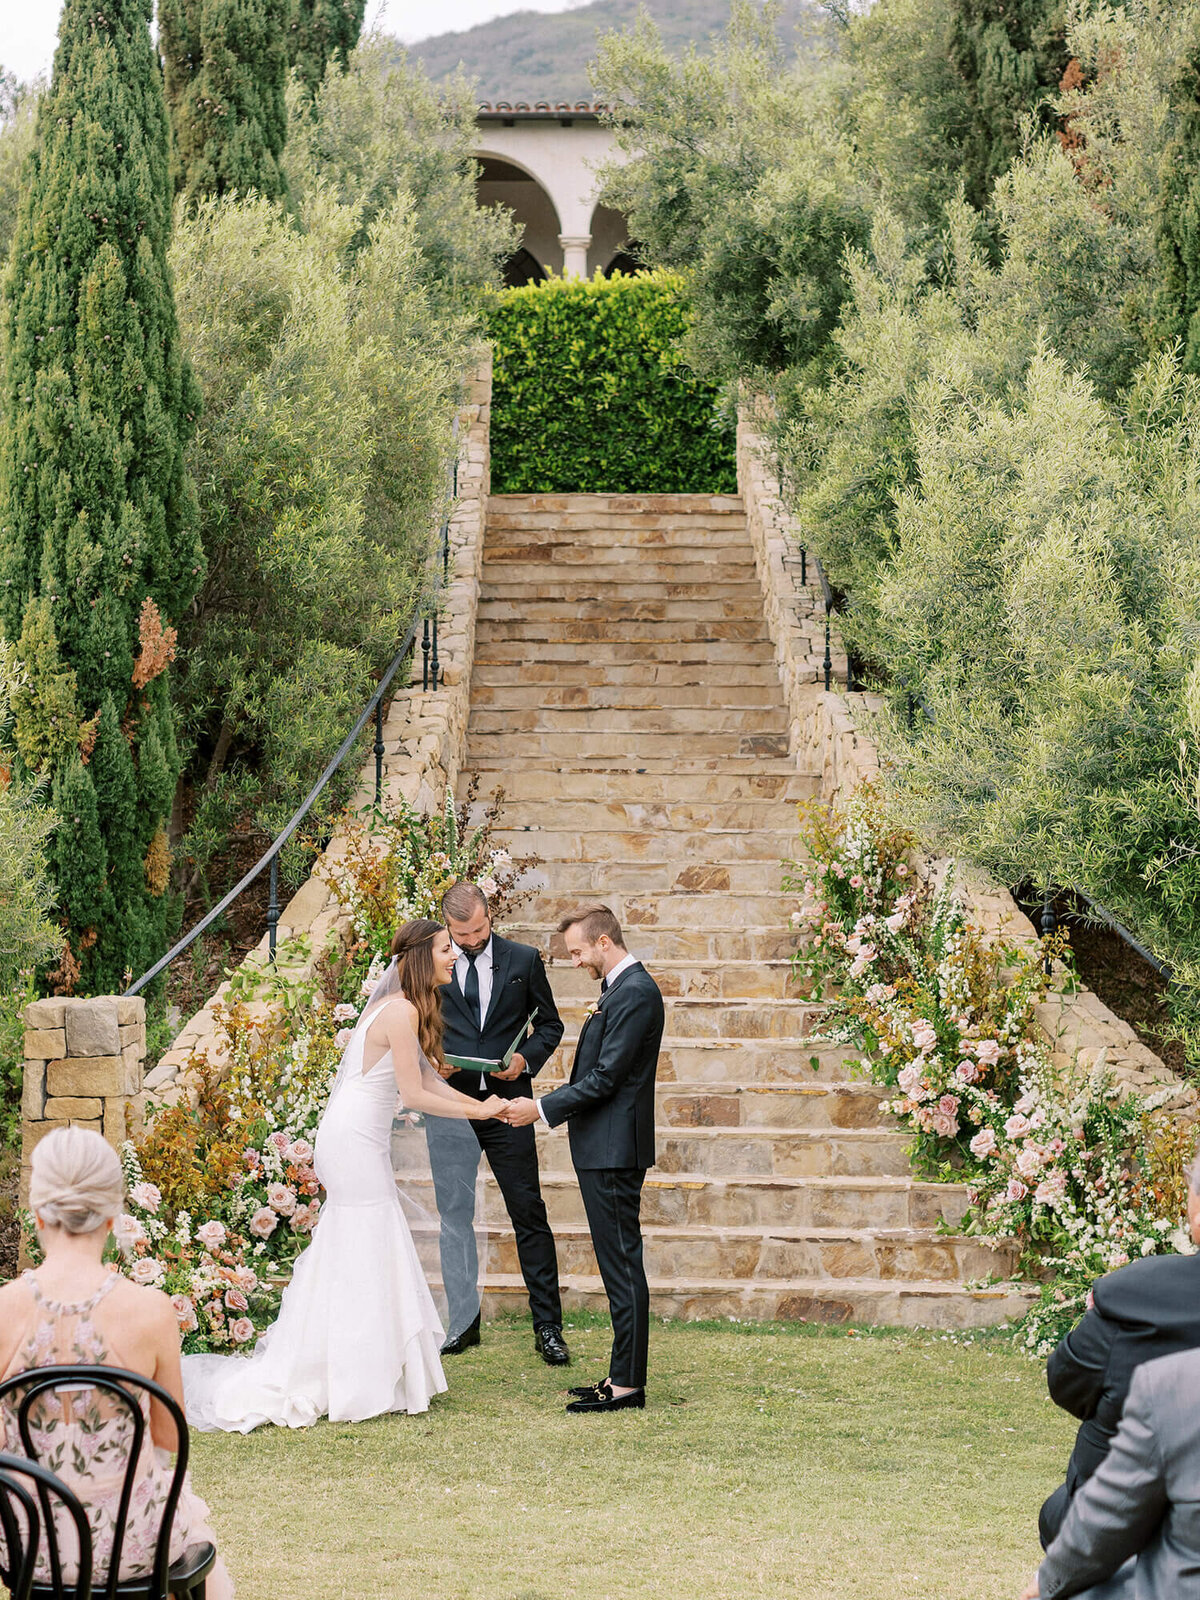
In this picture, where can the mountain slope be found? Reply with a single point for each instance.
(533, 56)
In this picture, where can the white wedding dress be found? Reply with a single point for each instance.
(357, 1333)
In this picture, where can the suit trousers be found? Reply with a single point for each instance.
(612, 1198)
(454, 1151)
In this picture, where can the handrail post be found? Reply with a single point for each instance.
(828, 656)
(425, 655)
(273, 906)
(803, 567)
(434, 665)
(379, 747)
(1048, 924)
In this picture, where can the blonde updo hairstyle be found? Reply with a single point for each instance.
(75, 1182)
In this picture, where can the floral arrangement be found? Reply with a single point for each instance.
(1082, 1176)
(223, 1195)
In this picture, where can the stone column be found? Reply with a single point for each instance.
(575, 253)
(83, 1066)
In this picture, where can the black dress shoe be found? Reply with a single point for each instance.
(604, 1400)
(462, 1341)
(585, 1391)
(548, 1342)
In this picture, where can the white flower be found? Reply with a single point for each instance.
(146, 1195)
(489, 887)
(128, 1231)
(148, 1272)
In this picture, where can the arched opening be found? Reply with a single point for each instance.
(502, 183)
(610, 250)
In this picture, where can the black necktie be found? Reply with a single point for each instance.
(471, 986)
(603, 985)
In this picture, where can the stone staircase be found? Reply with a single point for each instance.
(626, 699)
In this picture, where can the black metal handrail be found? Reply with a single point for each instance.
(426, 608)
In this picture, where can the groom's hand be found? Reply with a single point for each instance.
(513, 1070)
(521, 1113)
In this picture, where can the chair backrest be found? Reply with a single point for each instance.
(22, 1392)
(27, 1496)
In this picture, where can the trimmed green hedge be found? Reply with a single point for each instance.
(590, 395)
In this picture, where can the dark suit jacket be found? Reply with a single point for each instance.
(519, 984)
(1148, 1309)
(1143, 1500)
(609, 1102)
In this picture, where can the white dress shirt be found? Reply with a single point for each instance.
(483, 970)
(612, 976)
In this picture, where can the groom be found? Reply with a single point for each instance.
(496, 986)
(608, 1107)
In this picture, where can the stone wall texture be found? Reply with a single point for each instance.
(831, 737)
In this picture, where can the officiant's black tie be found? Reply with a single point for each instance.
(471, 986)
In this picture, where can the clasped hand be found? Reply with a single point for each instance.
(517, 1113)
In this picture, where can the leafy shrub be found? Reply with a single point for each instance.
(590, 394)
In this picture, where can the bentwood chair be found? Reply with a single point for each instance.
(27, 1496)
(183, 1580)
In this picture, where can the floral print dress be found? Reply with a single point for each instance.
(84, 1436)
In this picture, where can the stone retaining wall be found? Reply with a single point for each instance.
(830, 737)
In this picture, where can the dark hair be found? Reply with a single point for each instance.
(594, 922)
(413, 949)
(460, 899)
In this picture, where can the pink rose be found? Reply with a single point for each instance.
(1029, 1162)
(344, 1012)
(1016, 1190)
(988, 1052)
(245, 1278)
(185, 1313)
(148, 1272)
(1017, 1126)
(909, 1079)
(983, 1144)
(211, 1235)
(281, 1198)
(235, 1300)
(895, 922)
(1051, 1189)
(856, 880)
(924, 1037)
(279, 1141)
(343, 1037)
(128, 1232)
(1026, 1103)
(945, 1118)
(901, 870)
(490, 887)
(241, 1331)
(146, 1195)
(251, 1156)
(263, 1222)
(300, 1152)
(304, 1219)
(967, 1072)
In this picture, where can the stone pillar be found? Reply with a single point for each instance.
(575, 254)
(83, 1066)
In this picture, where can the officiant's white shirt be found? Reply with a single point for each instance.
(612, 977)
(483, 970)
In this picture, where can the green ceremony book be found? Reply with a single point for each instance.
(478, 1064)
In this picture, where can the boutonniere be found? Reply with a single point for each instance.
(591, 1011)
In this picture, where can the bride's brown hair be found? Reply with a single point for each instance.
(413, 950)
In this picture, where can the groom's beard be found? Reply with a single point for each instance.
(475, 949)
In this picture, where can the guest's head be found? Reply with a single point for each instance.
(593, 939)
(424, 961)
(76, 1189)
(465, 908)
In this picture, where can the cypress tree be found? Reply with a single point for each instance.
(323, 31)
(226, 66)
(1010, 54)
(98, 526)
(1177, 301)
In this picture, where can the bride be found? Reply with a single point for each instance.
(357, 1332)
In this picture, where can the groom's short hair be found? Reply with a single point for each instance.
(594, 922)
(462, 900)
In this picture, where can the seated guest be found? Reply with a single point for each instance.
(1133, 1530)
(74, 1309)
(1148, 1309)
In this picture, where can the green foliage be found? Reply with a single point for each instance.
(1178, 302)
(225, 65)
(18, 119)
(97, 512)
(321, 32)
(331, 360)
(590, 395)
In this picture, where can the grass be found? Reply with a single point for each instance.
(770, 1461)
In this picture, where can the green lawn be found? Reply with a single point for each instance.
(770, 1462)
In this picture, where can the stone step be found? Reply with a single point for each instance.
(735, 980)
(893, 1255)
(598, 846)
(772, 1105)
(645, 674)
(736, 1154)
(638, 816)
(695, 1199)
(617, 880)
(558, 626)
(675, 568)
(623, 744)
(702, 909)
(677, 944)
(626, 602)
(870, 1302)
(689, 1018)
(580, 723)
(721, 701)
(693, 655)
(741, 1063)
(705, 783)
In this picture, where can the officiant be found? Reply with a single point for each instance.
(498, 985)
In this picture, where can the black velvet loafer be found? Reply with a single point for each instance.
(604, 1400)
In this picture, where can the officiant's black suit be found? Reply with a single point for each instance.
(608, 1107)
(519, 986)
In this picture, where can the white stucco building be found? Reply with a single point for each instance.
(541, 162)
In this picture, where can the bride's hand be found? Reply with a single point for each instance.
(494, 1106)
